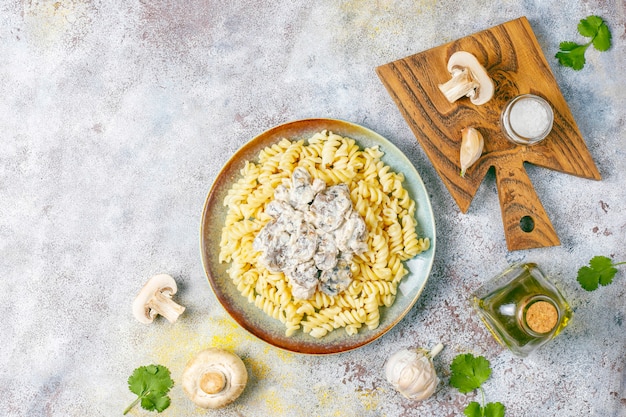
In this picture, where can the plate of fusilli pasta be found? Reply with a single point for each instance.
(386, 276)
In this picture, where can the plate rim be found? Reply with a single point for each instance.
(316, 346)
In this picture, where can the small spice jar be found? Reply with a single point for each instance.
(527, 119)
(521, 308)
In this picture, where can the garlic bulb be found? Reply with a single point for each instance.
(472, 144)
(412, 372)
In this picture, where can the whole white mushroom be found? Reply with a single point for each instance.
(214, 378)
(412, 373)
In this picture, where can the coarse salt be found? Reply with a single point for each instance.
(529, 118)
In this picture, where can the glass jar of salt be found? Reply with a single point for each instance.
(527, 119)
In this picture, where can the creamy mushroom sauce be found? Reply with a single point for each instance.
(313, 235)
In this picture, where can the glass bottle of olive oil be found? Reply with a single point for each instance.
(521, 308)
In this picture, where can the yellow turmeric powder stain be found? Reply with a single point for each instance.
(260, 369)
(324, 398)
(283, 355)
(384, 16)
(229, 335)
(49, 21)
(333, 402)
(370, 398)
(180, 342)
(183, 340)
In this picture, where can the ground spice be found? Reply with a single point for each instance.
(541, 317)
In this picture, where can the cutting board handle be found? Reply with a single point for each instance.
(526, 224)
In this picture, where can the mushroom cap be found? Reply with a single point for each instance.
(204, 373)
(467, 60)
(160, 282)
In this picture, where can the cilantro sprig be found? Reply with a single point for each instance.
(572, 54)
(600, 271)
(151, 384)
(468, 374)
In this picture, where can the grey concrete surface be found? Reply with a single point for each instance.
(116, 117)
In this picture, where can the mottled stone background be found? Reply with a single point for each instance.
(115, 118)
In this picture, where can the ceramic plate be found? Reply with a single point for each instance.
(253, 319)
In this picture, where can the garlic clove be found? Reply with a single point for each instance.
(412, 373)
(472, 144)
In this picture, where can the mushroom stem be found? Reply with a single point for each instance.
(435, 351)
(163, 304)
(460, 85)
(213, 382)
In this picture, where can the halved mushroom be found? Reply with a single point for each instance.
(156, 298)
(214, 378)
(469, 78)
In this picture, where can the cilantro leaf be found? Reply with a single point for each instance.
(573, 58)
(151, 384)
(155, 401)
(602, 41)
(569, 46)
(600, 271)
(572, 54)
(588, 279)
(473, 409)
(469, 372)
(494, 410)
(588, 27)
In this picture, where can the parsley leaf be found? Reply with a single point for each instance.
(494, 410)
(469, 372)
(589, 27)
(151, 384)
(602, 41)
(490, 410)
(473, 409)
(572, 54)
(600, 271)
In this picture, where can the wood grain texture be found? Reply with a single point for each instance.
(514, 60)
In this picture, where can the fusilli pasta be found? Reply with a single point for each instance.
(377, 195)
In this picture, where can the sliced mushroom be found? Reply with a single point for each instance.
(469, 78)
(214, 378)
(156, 298)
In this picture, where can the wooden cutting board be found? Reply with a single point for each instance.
(514, 60)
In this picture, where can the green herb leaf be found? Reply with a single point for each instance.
(573, 58)
(469, 372)
(494, 410)
(151, 384)
(155, 400)
(602, 41)
(473, 409)
(572, 54)
(588, 27)
(600, 271)
(569, 46)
